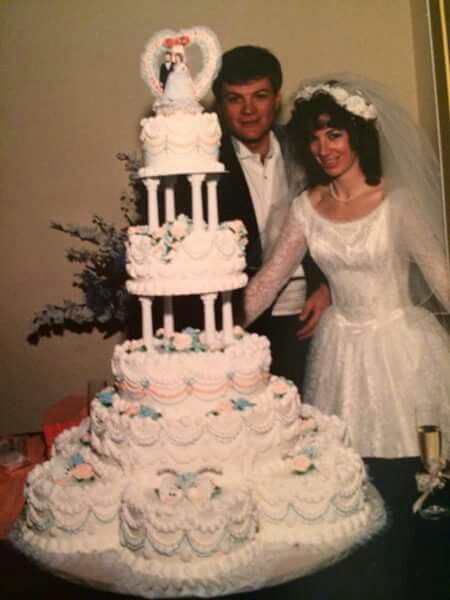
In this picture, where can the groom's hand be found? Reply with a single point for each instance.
(314, 307)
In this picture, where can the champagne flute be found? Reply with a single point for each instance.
(428, 422)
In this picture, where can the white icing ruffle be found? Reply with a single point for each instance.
(185, 378)
(182, 142)
(203, 261)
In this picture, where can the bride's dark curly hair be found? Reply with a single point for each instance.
(363, 137)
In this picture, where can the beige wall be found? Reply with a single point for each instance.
(72, 98)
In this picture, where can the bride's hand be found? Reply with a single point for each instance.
(314, 307)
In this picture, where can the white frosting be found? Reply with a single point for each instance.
(199, 262)
(194, 521)
(198, 474)
(182, 378)
(249, 432)
(181, 143)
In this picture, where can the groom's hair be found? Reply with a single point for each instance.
(247, 63)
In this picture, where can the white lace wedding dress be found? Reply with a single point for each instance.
(375, 354)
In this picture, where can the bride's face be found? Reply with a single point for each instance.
(331, 148)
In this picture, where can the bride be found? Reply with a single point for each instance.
(370, 217)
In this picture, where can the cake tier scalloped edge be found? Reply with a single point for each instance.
(176, 258)
(261, 427)
(181, 143)
(187, 287)
(168, 377)
(278, 555)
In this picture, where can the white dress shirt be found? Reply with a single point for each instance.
(267, 183)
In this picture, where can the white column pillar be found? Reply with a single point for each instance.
(213, 212)
(227, 317)
(197, 203)
(169, 198)
(147, 321)
(168, 316)
(210, 318)
(152, 183)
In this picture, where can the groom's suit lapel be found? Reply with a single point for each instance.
(235, 202)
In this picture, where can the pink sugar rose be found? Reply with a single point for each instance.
(238, 332)
(122, 406)
(182, 341)
(235, 225)
(133, 409)
(301, 463)
(178, 229)
(158, 233)
(225, 406)
(134, 345)
(216, 345)
(83, 472)
(309, 424)
(159, 249)
(279, 387)
(86, 438)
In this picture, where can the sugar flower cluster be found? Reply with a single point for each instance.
(353, 102)
(167, 238)
(79, 469)
(237, 227)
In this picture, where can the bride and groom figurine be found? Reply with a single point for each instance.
(174, 75)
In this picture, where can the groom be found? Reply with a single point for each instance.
(247, 92)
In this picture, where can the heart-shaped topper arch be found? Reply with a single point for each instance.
(166, 40)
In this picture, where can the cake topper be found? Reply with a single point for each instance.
(165, 54)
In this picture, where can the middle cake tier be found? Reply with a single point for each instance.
(180, 258)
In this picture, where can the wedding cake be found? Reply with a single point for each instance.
(197, 473)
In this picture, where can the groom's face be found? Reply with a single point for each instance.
(249, 109)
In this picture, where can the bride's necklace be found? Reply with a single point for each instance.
(341, 199)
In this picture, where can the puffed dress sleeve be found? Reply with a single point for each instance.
(288, 252)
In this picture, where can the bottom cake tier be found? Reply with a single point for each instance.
(167, 531)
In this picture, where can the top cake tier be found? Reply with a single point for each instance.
(181, 143)
(180, 138)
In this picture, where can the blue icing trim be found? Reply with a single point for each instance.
(242, 404)
(148, 411)
(75, 459)
(186, 480)
(309, 452)
(105, 397)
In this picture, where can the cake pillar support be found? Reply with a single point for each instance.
(147, 321)
(152, 183)
(168, 316)
(227, 317)
(169, 198)
(210, 318)
(213, 214)
(197, 201)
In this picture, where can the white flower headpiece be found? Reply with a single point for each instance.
(353, 102)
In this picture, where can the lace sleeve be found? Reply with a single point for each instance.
(428, 253)
(264, 286)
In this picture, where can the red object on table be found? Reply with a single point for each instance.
(68, 412)
(13, 482)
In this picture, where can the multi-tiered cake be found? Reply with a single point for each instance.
(198, 473)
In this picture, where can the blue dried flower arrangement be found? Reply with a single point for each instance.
(107, 306)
